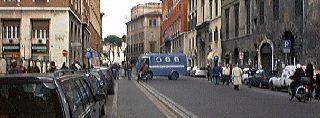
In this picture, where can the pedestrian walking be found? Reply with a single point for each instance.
(52, 67)
(250, 75)
(216, 73)
(34, 68)
(237, 75)
(21, 69)
(209, 73)
(13, 68)
(226, 75)
(129, 70)
(73, 66)
(64, 66)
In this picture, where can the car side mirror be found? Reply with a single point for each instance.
(99, 97)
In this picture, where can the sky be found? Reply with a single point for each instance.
(116, 14)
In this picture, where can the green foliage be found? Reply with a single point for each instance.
(113, 40)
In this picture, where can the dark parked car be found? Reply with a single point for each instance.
(51, 95)
(261, 78)
(105, 78)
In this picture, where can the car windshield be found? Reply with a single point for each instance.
(29, 100)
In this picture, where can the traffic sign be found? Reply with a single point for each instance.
(88, 54)
(64, 52)
(286, 46)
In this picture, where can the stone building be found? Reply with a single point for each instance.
(174, 26)
(204, 19)
(42, 29)
(143, 30)
(270, 34)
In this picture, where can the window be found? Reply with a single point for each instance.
(248, 15)
(210, 5)
(158, 59)
(72, 96)
(261, 10)
(216, 7)
(11, 29)
(227, 23)
(176, 59)
(216, 35)
(236, 20)
(167, 59)
(275, 10)
(40, 29)
(152, 22)
(299, 7)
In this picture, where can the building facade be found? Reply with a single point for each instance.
(174, 26)
(143, 30)
(42, 29)
(269, 34)
(204, 19)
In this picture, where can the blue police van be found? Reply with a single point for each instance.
(164, 64)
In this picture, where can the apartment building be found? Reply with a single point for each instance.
(143, 30)
(43, 29)
(204, 19)
(174, 26)
(269, 34)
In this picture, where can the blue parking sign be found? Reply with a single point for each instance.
(88, 54)
(286, 44)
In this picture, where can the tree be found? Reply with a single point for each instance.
(113, 40)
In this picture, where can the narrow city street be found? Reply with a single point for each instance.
(196, 97)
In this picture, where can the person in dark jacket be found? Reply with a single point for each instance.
(13, 68)
(73, 66)
(309, 73)
(34, 68)
(296, 79)
(52, 67)
(21, 69)
(209, 73)
(215, 73)
(64, 66)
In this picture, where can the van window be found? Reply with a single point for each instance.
(176, 59)
(167, 59)
(158, 59)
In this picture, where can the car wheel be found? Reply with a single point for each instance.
(271, 86)
(260, 85)
(150, 76)
(174, 76)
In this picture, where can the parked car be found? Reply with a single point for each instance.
(284, 80)
(196, 71)
(51, 95)
(261, 78)
(105, 78)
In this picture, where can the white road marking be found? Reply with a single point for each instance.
(183, 112)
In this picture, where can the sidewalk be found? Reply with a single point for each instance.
(130, 101)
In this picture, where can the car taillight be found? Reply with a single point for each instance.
(265, 78)
(109, 78)
(4, 116)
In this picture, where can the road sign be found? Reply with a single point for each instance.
(64, 52)
(88, 54)
(286, 46)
